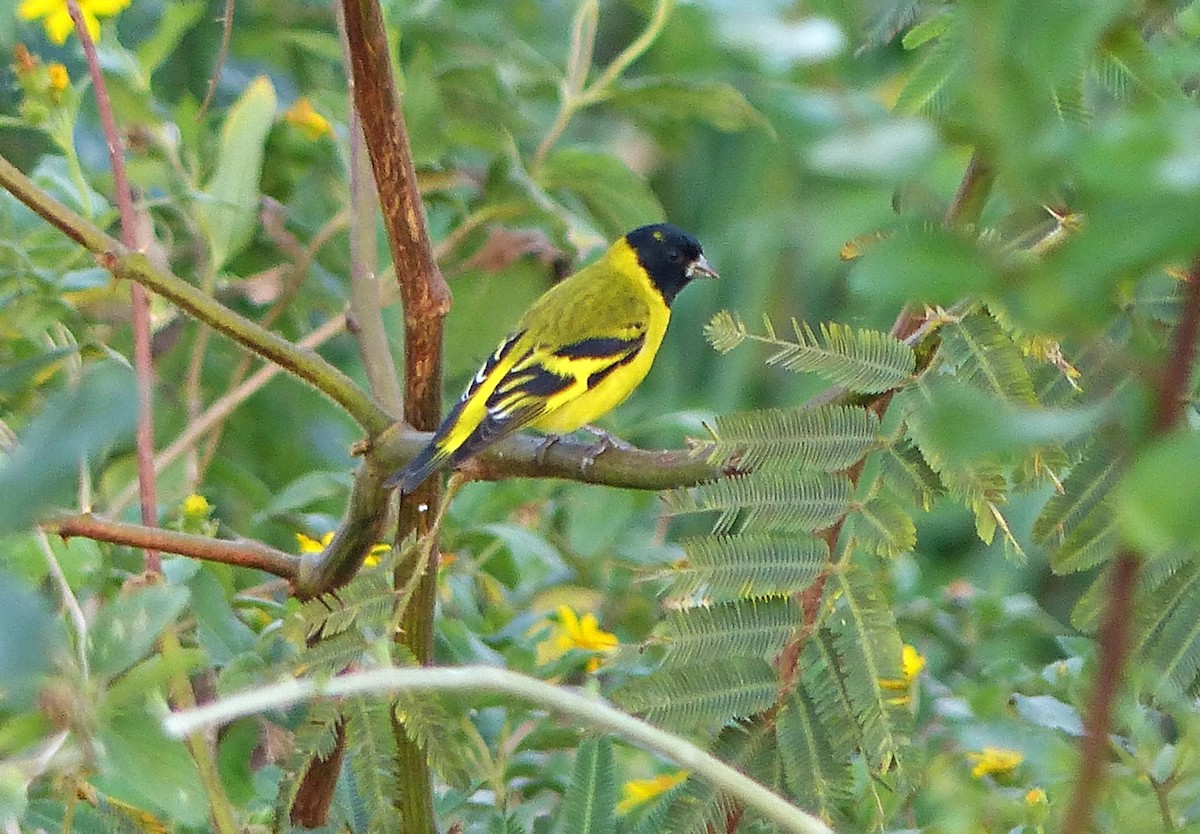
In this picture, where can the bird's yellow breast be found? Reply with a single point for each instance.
(580, 405)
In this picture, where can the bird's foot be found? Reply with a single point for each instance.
(604, 442)
(543, 446)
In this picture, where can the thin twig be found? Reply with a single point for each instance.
(69, 600)
(223, 406)
(219, 63)
(142, 362)
(586, 709)
(244, 554)
(112, 255)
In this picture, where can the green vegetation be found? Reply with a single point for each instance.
(921, 552)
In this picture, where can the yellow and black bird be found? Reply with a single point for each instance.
(578, 352)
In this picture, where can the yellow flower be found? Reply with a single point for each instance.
(911, 664)
(57, 20)
(311, 123)
(994, 761)
(1035, 796)
(195, 505)
(311, 545)
(638, 791)
(575, 632)
(59, 79)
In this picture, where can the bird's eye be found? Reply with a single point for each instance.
(675, 256)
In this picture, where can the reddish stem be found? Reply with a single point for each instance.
(142, 362)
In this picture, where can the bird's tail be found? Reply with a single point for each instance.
(428, 460)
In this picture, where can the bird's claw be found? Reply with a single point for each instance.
(543, 446)
(604, 442)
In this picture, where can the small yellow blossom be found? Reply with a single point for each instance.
(57, 20)
(911, 664)
(59, 79)
(308, 121)
(1035, 796)
(575, 632)
(994, 761)
(195, 505)
(639, 791)
(311, 545)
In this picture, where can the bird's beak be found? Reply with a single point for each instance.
(702, 268)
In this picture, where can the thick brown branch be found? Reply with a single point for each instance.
(244, 554)
(1114, 636)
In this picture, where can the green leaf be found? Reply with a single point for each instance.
(218, 630)
(128, 627)
(228, 211)
(303, 492)
(981, 353)
(589, 806)
(616, 197)
(146, 769)
(177, 19)
(371, 759)
(24, 661)
(1049, 712)
(828, 438)
(884, 528)
(746, 627)
(807, 501)
(76, 423)
(969, 425)
(815, 775)
(863, 361)
(701, 695)
(907, 474)
(925, 265)
(722, 568)
(1156, 501)
(1085, 488)
(677, 99)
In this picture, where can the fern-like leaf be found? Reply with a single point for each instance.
(701, 695)
(725, 331)
(591, 801)
(882, 527)
(828, 438)
(907, 474)
(987, 357)
(806, 501)
(371, 755)
(1087, 485)
(750, 747)
(868, 650)
(863, 361)
(756, 564)
(747, 627)
(457, 751)
(1092, 541)
(815, 776)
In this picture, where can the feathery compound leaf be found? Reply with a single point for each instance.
(366, 602)
(725, 332)
(863, 361)
(907, 474)
(1090, 542)
(868, 649)
(1087, 486)
(371, 755)
(750, 748)
(701, 695)
(756, 564)
(591, 801)
(829, 438)
(454, 745)
(816, 777)
(807, 501)
(749, 627)
(1173, 647)
(883, 528)
(988, 358)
